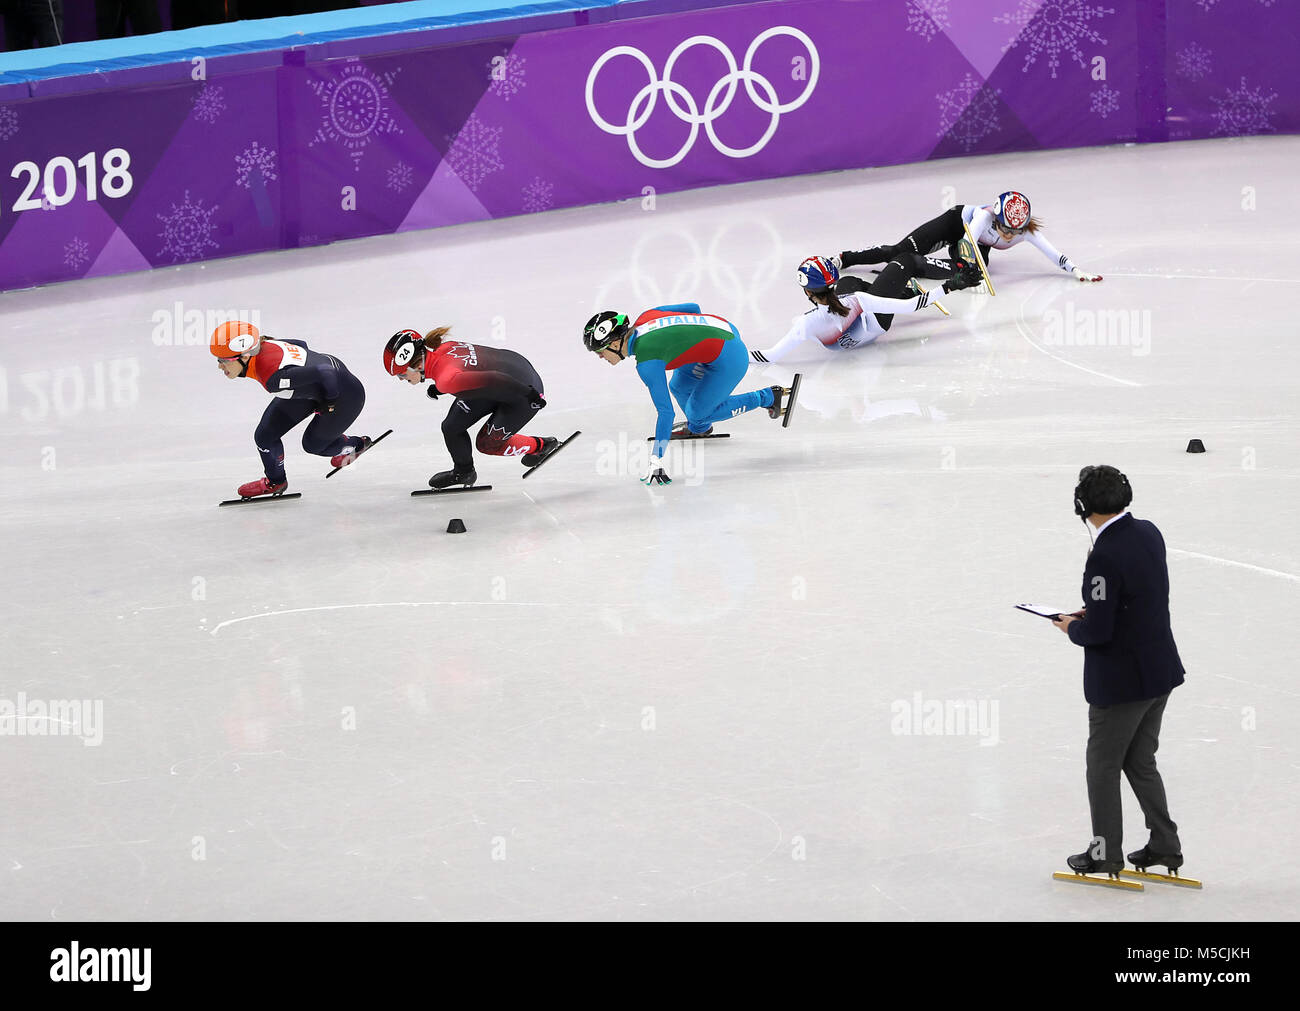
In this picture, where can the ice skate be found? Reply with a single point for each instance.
(453, 478)
(1145, 857)
(549, 445)
(262, 486)
(261, 491)
(1087, 870)
(783, 401)
(350, 454)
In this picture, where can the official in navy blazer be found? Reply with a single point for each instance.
(1130, 665)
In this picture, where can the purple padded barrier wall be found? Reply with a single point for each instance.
(311, 145)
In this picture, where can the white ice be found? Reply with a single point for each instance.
(610, 702)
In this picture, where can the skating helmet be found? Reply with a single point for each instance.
(817, 273)
(604, 328)
(401, 350)
(1012, 210)
(230, 340)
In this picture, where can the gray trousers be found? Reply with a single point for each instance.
(1125, 738)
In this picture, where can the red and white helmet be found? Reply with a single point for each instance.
(401, 350)
(1012, 209)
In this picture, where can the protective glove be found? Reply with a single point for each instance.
(535, 399)
(431, 392)
(968, 276)
(655, 473)
(1084, 276)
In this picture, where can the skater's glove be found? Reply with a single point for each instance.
(655, 473)
(968, 276)
(1082, 276)
(535, 399)
(431, 392)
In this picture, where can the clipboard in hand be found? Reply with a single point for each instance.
(1042, 610)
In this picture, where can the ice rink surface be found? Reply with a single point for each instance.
(610, 702)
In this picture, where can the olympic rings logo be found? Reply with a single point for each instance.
(719, 100)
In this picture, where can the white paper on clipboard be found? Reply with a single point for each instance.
(1042, 610)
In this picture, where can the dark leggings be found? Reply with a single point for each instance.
(323, 437)
(914, 248)
(891, 282)
(496, 438)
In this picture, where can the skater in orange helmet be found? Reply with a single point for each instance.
(304, 383)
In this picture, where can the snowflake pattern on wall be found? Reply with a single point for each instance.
(1194, 62)
(355, 108)
(8, 122)
(1105, 100)
(508, 76)
(1058, 26)
(187, 230)
(1243, 111)
(538, 196)
(400, 176)
(969, 112)
(474, 153)
(76, 254)
(254, 159)
(209, 104)
(1206, 5)
(927, 17)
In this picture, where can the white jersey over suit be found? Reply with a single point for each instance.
(981, 222)
(840, 333)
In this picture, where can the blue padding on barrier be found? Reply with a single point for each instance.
(268, 34)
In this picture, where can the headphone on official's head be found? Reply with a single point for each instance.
(1083, 498)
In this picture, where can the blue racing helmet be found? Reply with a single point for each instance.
(817, 273)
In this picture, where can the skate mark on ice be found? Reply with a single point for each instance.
(1022, 325)
(395, 603)
(1240, 565)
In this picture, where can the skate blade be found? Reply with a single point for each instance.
(979, 260)
(1164, 879)
(260, 498)
(1097, 879)
(791, 400)
(683, 436)
(550, 456)
(450, 491)
(357, 455)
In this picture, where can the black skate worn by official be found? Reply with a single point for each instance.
(1085, 863)
(1144, 858)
